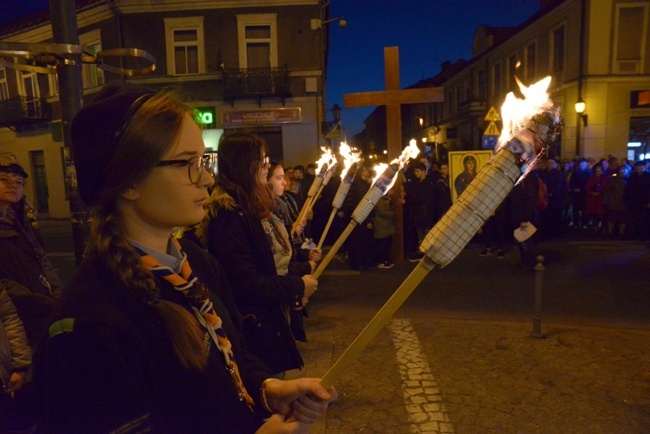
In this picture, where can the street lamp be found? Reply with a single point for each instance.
(318, 24)
(580, 109)
(336, 112)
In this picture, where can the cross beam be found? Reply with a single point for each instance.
(393, 97)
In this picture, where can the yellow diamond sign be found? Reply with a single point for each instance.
(492, 115)
(492, 130)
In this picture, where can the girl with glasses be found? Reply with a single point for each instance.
(242, 232)
(147, 336)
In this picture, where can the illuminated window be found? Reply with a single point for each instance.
(512, 71)
(185, 45)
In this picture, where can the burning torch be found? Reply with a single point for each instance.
(350, 166)
(326, 159)
(520, 144)
(380, 186)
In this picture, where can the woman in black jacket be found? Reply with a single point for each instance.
(146, 337)
(240, 230)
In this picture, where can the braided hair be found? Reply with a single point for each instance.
(153, 129)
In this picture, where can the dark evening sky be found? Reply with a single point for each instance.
(427, 32)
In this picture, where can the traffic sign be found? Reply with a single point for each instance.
(489, 142)
(492, 115)
(492, 130)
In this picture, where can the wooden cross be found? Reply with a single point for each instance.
(392, 98)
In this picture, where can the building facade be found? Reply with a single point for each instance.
(253, 65)
(596, 51)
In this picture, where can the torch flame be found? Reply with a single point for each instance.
(379, 169)
(349, 157)
(517, 112)
(326, 159)
(410, 152)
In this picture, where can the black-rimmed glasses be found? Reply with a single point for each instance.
(264, 161)
(195, 166)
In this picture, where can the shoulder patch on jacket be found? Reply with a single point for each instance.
(65, 325)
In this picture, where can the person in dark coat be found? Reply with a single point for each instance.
(578, 183)
(523, 213)
(36, 285)
(423, 195)
(242, 233)
(147, 336)
(27, 276)
(637, 199)
(443, 192)
(551, 217)
(360, 242)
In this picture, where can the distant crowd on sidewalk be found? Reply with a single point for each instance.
(609, 197)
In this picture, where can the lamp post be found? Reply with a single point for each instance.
(581, 119)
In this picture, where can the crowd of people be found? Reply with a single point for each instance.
(194, 331)
(609, 197)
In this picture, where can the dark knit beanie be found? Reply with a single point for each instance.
(96, 132)
(10, 165)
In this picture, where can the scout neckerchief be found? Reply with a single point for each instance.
(275, 235)
(198, 296)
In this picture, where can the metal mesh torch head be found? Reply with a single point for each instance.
(488, 189)
(375, 193)
(466, 216)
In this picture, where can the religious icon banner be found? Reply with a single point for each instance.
(463, 168)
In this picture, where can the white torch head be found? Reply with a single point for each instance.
(341, 193)
(372, 196)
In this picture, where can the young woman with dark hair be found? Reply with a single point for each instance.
(146, 338)
(242, 232)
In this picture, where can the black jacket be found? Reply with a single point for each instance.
(23, 264)
(109, 365)
(241, 246)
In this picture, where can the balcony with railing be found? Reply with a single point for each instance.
(256, 83)
(24, 113)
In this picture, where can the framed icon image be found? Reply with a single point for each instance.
(463, 167)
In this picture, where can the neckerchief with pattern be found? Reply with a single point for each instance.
(198, 296)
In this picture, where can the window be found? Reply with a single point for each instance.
(496, 81)
(185, 45)
(513, 64)
(4, 89)
(557, 50)
(629, 46)
(53, 82)
(530, 64)
(481, 85)
(30, 93)
(258, 47)
(92, 75)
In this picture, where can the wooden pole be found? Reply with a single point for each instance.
(378, 322)
(327, 228)
(335, 248)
